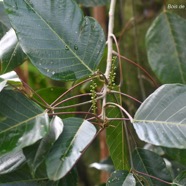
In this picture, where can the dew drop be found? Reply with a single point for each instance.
(40, 64)
(51, 62)
(53, 72)
(75, 47)
(66, 47)
(48, 70)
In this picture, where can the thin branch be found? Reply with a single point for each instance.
(126, 95)
(109, 54)
(70, 89)
(77, 112)
(121, 108)
(76, 105)
(137, 65)
(150, 176)
(34, 92)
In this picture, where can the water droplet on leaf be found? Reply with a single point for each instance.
(66, 47)
(75, 47)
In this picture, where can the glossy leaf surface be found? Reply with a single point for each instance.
(93, 3)
(22, 122)
(57, 38)
(121, 177)
(11, 54)
(77, 134)
(166, 48)
(11, 161)
(161, 119)
(55, 130)
(152, 164)
(10, 78)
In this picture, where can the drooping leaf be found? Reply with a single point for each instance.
(121, 177)
(166, 48)
(152, 164)
(11, 78)
(59, 41)
(11, 161)
(11, 54)
(92, 3)
(161, 119)
(180, 180)
(116, 139)
(77, 134)
(23, 121)
(55, 130)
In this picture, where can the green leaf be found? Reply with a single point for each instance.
(11, 161)
(76, 136)
(116, 139)
(166, 48)
(121, 177)
(4, 20)
(161, 119)
(176, 154)
(180, 180)
(55, 130)
(59, 41)
(23, 122)
(11, 78)
(152, 164)
(11, 54)
(92, 3)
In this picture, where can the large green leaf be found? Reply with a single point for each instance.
(77, 134)
(152, 164)
(90, 3)
(166, 48)
(59, 41)
(11, 54)
(161, 119)
(22, 122)
(121, 177)
(116, 139)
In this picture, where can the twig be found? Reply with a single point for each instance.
(137, 65)
(121, 108)
(126, 95)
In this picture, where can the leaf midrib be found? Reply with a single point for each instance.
(136, 121)
(61, 39)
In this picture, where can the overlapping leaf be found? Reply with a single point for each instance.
(11, 54)
(152, 164)
(93, 3)
(166, 48)
(121, 177)
(59, 41)
(77, 134)
(22, 122)
(161, 119)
